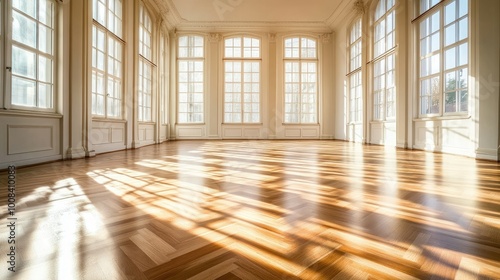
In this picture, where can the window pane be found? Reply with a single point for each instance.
(46, 12)
(23, 63)
(44, 96)
(24, 30)
(355, 48)
(450, 13)
(145, 33)
(27, 7)
(45, 39)
(23, 92)
(191, 46)
(44, 69)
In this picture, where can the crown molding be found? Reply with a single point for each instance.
(168, 13)
(339, 15)
(271, 27)
(174, 21)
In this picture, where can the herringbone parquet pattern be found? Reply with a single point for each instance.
(257, 210)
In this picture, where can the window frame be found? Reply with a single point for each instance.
(163, 78)
(118, 39)
(7, 45)
(434, 7)
(381, 105)
(2, 55)
(300, 60)
(355, 72)
(146, 62)
(243, 60)
(191, 57)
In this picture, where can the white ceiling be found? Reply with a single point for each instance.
(270, 14)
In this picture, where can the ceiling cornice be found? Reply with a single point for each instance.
(174, 21)
(254, 26)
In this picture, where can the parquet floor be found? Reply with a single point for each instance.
(256, 210)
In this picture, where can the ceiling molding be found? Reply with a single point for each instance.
(169, 13)
(341, 13)
(174, 21)
(254, 26)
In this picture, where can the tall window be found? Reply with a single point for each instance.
(190, 79)
(384, 91)
(145, 86)
(242, 80)
(355, 86)
(32, 68)
(107, 57)
(1, 53)
(444, 57)
(301, 81)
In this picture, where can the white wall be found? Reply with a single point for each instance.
(487, 79)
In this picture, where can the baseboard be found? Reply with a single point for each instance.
(76, 153)
(488, 154)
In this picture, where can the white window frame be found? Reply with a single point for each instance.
(384, 62)
(163, 66)
(8, 45)
(301, 56)
(242, 106)
(428, 9)
(2, 54)
(146, 66)
(112, 27)
(191, 108)
(354, 77)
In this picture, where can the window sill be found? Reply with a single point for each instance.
(190, 124)
(382, 122)
(443, 118)
(38, 114)
(241, 124)
(147, 123)
(108, 120)
(300, 124)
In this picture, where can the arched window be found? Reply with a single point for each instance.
(242, 63)
(190, 70)
(444, 57)
(107, 59)
(301, 80)
(384, 91)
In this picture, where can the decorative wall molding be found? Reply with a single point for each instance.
(215, 37)
(26, 139)
(359, 7)
(242, 26)
(272, 37)
(326, 38)
(168, 13)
